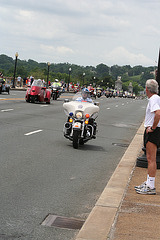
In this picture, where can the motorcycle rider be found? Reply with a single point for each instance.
(85, 96)
(56, 89)
(56, 84)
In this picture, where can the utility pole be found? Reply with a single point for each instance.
(158, 73)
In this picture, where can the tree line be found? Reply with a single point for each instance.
(102, 74)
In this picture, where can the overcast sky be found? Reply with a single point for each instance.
(82, 32)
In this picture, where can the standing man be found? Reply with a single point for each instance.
(19, 81)
(151, 136)
(24, 81)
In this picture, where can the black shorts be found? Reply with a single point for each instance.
(153, 137)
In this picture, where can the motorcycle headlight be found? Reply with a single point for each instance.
(79, 115)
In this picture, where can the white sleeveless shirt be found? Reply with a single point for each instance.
(153, 105)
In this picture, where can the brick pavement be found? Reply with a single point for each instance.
(139, 215)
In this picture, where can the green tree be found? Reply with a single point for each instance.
(137, 74)
(145, 76)
(21, 71)
(38, 73)
(102, 70)
(136, 87)
(107, 82)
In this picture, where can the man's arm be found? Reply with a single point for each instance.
(156, 121)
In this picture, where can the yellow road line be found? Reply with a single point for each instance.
(11, 99)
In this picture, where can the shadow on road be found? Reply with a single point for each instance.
(87, 147)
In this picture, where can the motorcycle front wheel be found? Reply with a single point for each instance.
(75, 139)
(53, 96)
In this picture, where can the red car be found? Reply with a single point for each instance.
(38, 93)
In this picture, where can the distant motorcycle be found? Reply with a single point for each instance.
(99, 93)
(4, 87)
(92, 92)
(37, 93)
(81, 125)
(76, 89)
(55, 91)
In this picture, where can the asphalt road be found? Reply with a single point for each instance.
(41, 173)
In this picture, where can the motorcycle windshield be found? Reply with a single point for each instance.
(37, 83)
(79, 97)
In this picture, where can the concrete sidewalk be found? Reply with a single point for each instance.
(139, 215)
(120, 213)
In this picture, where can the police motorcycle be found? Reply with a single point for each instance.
(55, 90)
(82, 112)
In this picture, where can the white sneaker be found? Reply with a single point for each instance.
(146, 190)
(140, 186)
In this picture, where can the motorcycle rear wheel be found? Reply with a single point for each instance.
(75, 139)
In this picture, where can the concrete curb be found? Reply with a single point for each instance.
(18, 89)
(101, 219)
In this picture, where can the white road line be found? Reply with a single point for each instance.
(108, 108)
(27, 134)
(6, 110)
(43, 105)
(116, 106)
